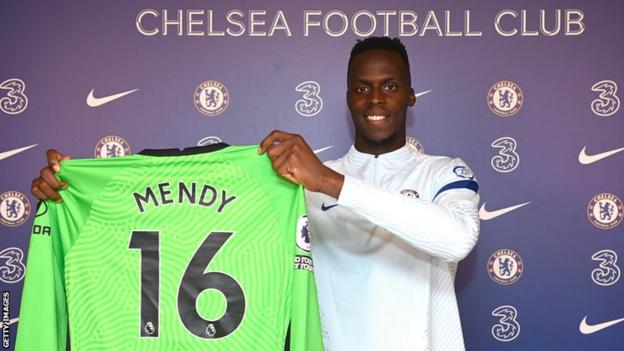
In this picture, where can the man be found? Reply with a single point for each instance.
(388, 224)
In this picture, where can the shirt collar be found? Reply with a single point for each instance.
(400, 156)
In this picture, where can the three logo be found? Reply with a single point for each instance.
(507, 159)
(507, 328)
(608, 272)
(311, 102)
(15, 100)
(607, 103)
(12, 267)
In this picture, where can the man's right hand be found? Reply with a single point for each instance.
(46, 185)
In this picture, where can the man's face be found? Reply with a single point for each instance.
(378, 94)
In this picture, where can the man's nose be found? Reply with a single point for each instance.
(376, 96)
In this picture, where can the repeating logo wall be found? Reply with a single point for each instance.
(571, 98)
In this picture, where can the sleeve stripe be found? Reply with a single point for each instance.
(462, 184)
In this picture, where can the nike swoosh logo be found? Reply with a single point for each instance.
(92, 101)
(325, 208)
(10, 153)
(586, 159)
(14, 320)
(318, 151)
(486, 215)
(590, 329)
(422, 93)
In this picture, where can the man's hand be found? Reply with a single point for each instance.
(293, 159)
(46, 185)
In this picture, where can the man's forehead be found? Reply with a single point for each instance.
(377, 61)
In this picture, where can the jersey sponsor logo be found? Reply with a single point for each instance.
(209, 140)
(486, 215)
(505, 266)
(586, 328)
(7, 154)
(463, 172)
(507, 328)
(12, 266)
(586, 159)
(327, 208)
(505, 98)
(604, 211)
(311, 102)
(15, 100)
(14, 208)
(507, 159)
(608, 272)
(607, 103)
(93, 101)
(112, 146)
(211, 98)
(412, 194)
(415, 144)
(303, 233)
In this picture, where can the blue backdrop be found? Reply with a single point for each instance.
(525, 92)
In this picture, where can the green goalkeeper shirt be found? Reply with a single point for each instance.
(192, 251)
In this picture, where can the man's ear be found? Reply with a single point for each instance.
(412, 98)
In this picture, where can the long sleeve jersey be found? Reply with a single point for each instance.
(386, 250)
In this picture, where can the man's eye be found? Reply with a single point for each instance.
(361, 89)
(391, 87)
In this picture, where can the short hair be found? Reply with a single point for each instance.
(380, 43)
